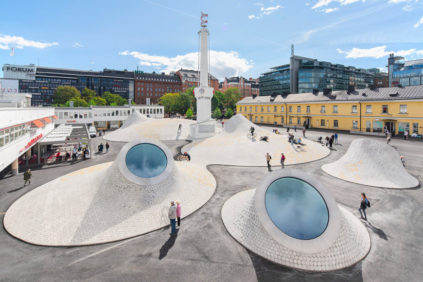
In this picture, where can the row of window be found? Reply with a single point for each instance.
(104, 113)
(10, 134)
(369, 109)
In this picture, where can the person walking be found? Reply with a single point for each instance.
(172, 218)
(283, 160)
(405, 134)
(27, 176)
(178, 213)
(295, 128)
(336, 138)
(304, 131)
(107, 147)
(388, 138)
(363, 206)
(268, 158)
(331, 141)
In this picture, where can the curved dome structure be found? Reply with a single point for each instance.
(291, 219)
(159, 129)
(235, 146)
(372, 163)
(110, 201)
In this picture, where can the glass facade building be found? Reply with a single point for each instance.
(405, 73)
(304, 75)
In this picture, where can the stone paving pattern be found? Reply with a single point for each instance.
(372, 163)
(240, 219)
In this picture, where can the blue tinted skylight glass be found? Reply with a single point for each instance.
(146, 160)
(296, 208)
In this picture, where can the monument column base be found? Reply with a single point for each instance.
(201, 130)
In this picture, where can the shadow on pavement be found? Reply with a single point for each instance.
(17, 189)
(168, 245)
(379, 232)
(269, 271)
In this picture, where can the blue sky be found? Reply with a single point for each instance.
(247, 37)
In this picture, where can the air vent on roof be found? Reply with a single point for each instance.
(254, 96)
(327, 91)
(364, 94)
(315, 91)
(394, 94)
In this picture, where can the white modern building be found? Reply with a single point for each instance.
(105, 117)
(20, 130)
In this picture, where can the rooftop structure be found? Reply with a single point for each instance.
(404, 73)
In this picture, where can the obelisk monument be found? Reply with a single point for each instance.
(205, 126)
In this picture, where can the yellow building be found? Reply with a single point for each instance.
(395, 109)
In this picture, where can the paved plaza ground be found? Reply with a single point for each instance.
(204, 251)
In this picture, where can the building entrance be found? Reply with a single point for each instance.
(390, 126)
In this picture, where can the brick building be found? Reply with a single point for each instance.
(149, 87)
(247, 87)
(190, 78)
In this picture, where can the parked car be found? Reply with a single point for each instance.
(92, 131)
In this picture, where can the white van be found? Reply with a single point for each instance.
(92, 131)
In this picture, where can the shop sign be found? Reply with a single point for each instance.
(71, 121)
(32, 142)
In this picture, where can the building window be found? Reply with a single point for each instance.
(335, 109)
(251, 109)
(415, 127)
(403, 109)
(368, 125)
(354, 109)
(290, 120)
(256, 118)
(323, 109)
(335, 123)
(298, 109)
(261, 119)
(308, 109)
(262, 109)
(245, 108)
(275, 109)
(355, 124)
(282, 120)
(384, 109)
(256, 109)
(268, 108)
(290, 109)
(322, 122)
(368, 109)
(298, 120)
(282, 109)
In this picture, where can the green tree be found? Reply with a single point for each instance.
(114, 99)
(88, 94)
(217, 100)
(98, 101)
(229, 113)
(62, 94)
(189, 113)
(231, 97)
(184, 102)
(169, 101)
(77, 102)
(217, 113)
(190, 92)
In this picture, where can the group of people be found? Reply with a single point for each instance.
(174, 215)
(269, 158)
(101, 147)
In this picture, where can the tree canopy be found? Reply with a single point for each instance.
(114, 99)
(63, 94)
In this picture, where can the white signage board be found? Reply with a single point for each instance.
(19, 72)
(9, 86)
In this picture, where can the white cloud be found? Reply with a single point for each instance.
(222, 64)
(376, 52)
(324, 3)
(264, 11)
(418, 23)
(330, 10)
(77, 45)
(8, 41)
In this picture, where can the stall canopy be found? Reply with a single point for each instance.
(38, 123)
(47, 120)
(67, 134)
(55, 117)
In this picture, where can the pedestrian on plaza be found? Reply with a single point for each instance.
(336, 138)
(405, 134)
(107, 147)
(327, 141)
(283, 160)
(295, 128)
(268, 158)
(388, 138)
(27, 176)
(331, 141)
(287, 129)
(178, 213)
(74, 154)
(223, 123)
(304, 131)
(172, 218)
(364, 204)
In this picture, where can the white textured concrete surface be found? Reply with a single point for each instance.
(160, 129)
(234, 146)
(241, 221)
(372, 163)
(98, 205)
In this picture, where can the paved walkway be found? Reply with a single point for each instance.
(204, 251)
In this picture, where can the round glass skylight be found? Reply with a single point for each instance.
(146, 160)
(296, 208)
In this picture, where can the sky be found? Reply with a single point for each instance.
(246, 37)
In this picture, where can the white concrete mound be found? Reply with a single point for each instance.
(235, 146)
(159, 129)
(101, 204)
(372, 163)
